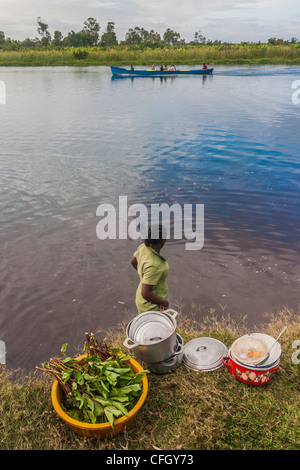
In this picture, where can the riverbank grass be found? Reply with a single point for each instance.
(249, 54)
(185, 410)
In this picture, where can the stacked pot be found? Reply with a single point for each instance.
(256, 368)
(153, 338)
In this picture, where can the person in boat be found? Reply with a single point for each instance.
(172, 68)
(153, 67)
(204, 67)
(165, 67)
(131, 67)
(153, 269)
(161, 68)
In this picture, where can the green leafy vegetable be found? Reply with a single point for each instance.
(98, 388)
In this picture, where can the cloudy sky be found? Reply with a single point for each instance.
(227, 20)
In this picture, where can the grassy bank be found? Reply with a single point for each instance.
(185, 410)
(188, 55)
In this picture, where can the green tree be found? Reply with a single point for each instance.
(154, 37)
(109, 37)
(12, 44)
(171, 38)
(57, 38)
(2, 39)
(43, 32)
(199, 38)
(74, 39)
(275, 41)
(135, 36)
(91, 31)
(29, 43)
(139, 36)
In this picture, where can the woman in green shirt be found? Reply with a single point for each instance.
(152, 292)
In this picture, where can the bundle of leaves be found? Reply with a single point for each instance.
(99, 387)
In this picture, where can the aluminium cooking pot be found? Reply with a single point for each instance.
(171, 364)
(152, 335)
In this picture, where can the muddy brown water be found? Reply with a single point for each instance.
(73, 138)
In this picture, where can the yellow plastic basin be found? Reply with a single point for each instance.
(103, 430)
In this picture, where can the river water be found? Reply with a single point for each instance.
(74, 138)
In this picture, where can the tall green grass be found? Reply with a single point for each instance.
(189, 55)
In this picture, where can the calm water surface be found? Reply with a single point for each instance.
(73, 138)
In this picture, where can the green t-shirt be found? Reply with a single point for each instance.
(153, 270)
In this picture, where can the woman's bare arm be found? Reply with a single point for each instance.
(149, 295)
(134, 262)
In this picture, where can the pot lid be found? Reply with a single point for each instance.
(204, 353)
(152, 332)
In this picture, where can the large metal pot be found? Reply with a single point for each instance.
(152, 335)
(171, 364)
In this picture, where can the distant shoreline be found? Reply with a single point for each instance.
(246, 54)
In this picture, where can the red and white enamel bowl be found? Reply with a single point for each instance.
(255, 375)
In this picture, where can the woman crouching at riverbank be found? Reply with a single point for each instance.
(153, 268)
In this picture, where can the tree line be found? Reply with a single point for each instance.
(89, 36)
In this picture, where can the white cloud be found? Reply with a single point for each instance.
(262, 3)
(218, 19)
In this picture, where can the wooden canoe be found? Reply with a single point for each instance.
(118, 71)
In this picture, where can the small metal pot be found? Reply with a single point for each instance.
(152, 335)
(169, 365)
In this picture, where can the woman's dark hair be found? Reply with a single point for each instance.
(152, 232)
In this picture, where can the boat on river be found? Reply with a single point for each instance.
(118, 72)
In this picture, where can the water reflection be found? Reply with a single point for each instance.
(162, 80)
(74, 138)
